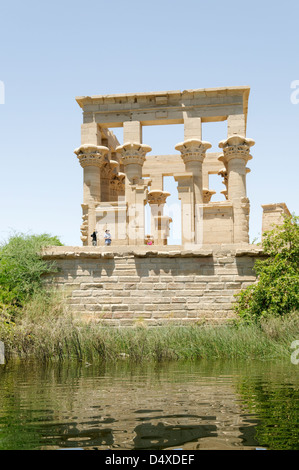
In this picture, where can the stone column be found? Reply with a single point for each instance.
(186, 196)
(117, 186)
(235, 157)
(108, 172)
(132, 157)
(159, 223)
(91, 158)
(193, 152)
(223, 173)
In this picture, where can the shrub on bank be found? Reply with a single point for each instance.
(276, 292)
(21, 268)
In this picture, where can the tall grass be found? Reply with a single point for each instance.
(47, 331)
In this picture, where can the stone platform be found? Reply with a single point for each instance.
(125, 286)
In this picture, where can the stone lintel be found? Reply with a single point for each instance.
(167, 107)
(162, 97)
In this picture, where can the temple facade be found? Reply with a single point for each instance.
(121, 178)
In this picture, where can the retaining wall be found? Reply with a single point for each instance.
(123, 286)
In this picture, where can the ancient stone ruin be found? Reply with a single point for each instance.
(121, 178)
(140, 277)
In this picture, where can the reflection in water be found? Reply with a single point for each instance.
(150, 436)
(200, 405)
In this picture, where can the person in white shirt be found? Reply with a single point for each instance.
(107, 238)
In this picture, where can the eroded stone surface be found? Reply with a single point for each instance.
(125, 287)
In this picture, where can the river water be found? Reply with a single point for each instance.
(192, 405)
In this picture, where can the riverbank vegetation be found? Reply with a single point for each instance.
(47, 331)
(277, 291)
(21, 270)
(37, 323)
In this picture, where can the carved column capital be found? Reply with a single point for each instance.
(236, 147)
(92, 155)
(132, 153)
(117, 183)
(193, 150)
(157, 197)
(207, 195)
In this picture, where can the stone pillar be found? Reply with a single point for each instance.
(236, 125)
(235, 157)
(108, 172)
(186, 196)
(159, 223)
(192, 127)
(91, 134)
(132, 131)
(223, 173)
(193, 152)
(162, 223)
(132, 157)
(117, 187)
(273, 215)
(91, 158)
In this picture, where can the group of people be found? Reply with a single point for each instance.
(107, 238)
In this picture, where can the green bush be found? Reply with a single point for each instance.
(21, 268)
(276, 292)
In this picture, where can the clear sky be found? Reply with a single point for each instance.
(51, 52)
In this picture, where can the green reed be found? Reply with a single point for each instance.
(46, 330)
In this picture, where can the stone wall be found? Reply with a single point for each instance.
(154, 286)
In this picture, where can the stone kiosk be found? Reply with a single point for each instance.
(121, 178)
(130, 281)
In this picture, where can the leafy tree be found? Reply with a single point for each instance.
(21, 267)
(276, 292)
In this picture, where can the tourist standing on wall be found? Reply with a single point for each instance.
(94, 238)
(107, 237)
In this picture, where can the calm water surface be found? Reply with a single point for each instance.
(203, 405)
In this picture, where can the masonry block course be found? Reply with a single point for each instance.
(142, 285)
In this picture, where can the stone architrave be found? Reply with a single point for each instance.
(91, 158)
(236, 153)
(132, 157)
(193, 152)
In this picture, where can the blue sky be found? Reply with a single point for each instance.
(52, 52)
